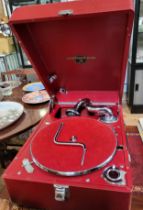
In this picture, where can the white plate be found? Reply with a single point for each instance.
(9, 113)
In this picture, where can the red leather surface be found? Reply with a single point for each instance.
(53, 42)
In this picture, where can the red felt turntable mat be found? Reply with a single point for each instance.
(99, 140)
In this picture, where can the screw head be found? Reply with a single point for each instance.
(19, 173)
(73, 139)
(87, 180)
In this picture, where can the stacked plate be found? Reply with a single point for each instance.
(36, 97)
(34, 86)
(36, 94)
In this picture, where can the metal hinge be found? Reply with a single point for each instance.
(65, 12)
(52, 103)
(61, 192)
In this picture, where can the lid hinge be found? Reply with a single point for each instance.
(52, 103)
(65, 12)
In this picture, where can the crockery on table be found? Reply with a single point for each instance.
(9, 113)
(36, 97)
(34, 86)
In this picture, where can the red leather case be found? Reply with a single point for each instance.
(79, 49)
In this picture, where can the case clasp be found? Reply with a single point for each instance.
(61, 192)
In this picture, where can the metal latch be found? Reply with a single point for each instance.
(27, 165)
(61, 192)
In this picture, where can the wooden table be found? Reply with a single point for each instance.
(31, 116)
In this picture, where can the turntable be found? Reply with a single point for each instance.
(77, 157)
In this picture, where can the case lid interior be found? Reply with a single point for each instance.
(79, 45)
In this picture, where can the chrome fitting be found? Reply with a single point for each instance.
(114, 175)
(76, 110)
(107, 116)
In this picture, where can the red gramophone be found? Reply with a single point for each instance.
(77, 158)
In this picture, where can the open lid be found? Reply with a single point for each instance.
(78, 45)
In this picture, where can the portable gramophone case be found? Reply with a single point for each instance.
(77, 157)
